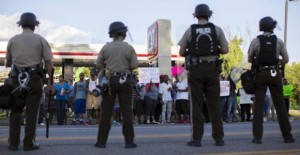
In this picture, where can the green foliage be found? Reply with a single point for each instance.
(57, 70)
(234, 56)
(78, 70)
(292, 74)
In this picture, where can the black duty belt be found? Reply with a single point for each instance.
(268, 67)
(207, 61)
(119, 74)
(27, 69)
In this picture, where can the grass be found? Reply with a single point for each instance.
(295, 114)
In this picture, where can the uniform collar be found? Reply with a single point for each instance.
(267, 33)
(27, 30)
(202, 21)
(118, 40)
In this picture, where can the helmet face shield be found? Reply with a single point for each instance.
(28, 19)
(267, 24)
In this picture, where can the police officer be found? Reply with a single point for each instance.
(201, 44)
(25, 54)
(264, 54)
(120, 59)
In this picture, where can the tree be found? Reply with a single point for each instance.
(292, 74)
(234, 56)
(78, 70)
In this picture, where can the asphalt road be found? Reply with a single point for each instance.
(169, 139)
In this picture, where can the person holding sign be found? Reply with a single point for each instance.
(287, 93)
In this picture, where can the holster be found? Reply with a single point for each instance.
(219, 65)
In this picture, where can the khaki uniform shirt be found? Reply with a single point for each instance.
(255, 47)
(28, 49)
(118, 56)
(187, 37)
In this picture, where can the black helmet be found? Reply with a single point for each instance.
(202, 10)
(267, 24)
(28, 19)
(117, 27)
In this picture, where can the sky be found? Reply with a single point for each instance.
(87, 21)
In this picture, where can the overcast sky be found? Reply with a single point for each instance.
(87, 21)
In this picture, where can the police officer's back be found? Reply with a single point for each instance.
(25, 54)
(119, 59)
(264, 52)
(201, 45)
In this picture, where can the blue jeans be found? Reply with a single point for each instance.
(60, 112)
(222, 104)
(232, 105)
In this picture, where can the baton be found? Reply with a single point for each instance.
(49, 102)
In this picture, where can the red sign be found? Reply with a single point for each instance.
(153, 41)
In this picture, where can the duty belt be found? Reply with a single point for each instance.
(27, 69)
(267, 67)
(119, 74)
(23, 74)
(207, 61)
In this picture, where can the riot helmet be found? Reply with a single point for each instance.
(117, 27)
(202, 10)
(267, 24)
(28, 19)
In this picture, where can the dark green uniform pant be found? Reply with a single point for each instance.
(264, 79)
(30, 99)
(204, 80)
(124, 93)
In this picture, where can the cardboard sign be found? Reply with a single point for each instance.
(224, 88)
(147, 74)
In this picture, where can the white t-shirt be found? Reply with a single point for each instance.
(245, 98)
(182, 95)
(163, 89)
(92, 84)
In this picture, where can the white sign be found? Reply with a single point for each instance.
(147, 74)
(224, 88)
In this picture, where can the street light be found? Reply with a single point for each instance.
(285, 28)
(285, 20)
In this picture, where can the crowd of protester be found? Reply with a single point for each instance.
(153, 103)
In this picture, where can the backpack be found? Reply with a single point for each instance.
(267, 53)
(248, 81)
(5, 96)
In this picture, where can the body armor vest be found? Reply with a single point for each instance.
(267, 53)
(204, 40)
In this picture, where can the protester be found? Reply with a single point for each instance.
(80, 94)
(165, 89)
(93, 101)
(61, 89)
